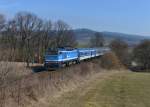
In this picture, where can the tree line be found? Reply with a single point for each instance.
(26, 34)
(26, 37)
(137, 56)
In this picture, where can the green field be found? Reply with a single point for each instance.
(117, 90)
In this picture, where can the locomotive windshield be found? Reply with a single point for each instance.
(56, 51)
(52, 52)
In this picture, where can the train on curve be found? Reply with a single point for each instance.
(61, 57)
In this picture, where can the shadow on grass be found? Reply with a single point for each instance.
(41, 68)
(139, 69)
(37, 69)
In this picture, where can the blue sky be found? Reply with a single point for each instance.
(126, 16)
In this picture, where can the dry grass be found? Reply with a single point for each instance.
(78, 96)
(114, 89)
(15, 70)
(30, 88)
(111, 61)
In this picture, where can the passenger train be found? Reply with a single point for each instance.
(61, 57)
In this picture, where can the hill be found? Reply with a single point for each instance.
(83, 36)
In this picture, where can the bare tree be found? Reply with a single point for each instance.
(120, 48)
(27, 25)
(2, 21)
(64, 34)
(2, 24)
(47, 33)
(44, 39)
(141, 54)
(5, 55)
(27, 34)
(11, 32)
(97, 40)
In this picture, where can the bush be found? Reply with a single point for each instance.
(120, 48)
(141, 54)
(110, 61)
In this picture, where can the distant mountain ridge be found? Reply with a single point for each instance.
(84, 35)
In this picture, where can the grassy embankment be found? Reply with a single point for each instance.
(126, 89)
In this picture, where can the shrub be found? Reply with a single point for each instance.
(110, 61)
(141, 54)
(120, 48)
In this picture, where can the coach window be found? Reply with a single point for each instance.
(60, 53)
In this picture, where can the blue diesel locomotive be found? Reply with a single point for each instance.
(60, 57)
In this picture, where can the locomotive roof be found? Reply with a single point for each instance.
(73, 49)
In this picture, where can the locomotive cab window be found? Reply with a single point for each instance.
(52, 53)
(60, 53)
